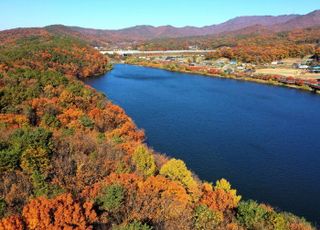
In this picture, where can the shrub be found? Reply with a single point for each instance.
(122, 167)
(135, 225)
(111, 197)
(2, 207)
(86, 122)
(26, 137)
(277, 221)
(68, 132)
(296, 223)
(40, 186)
(101, 137)
(205, 218)
(9, 159)
(144, 161)
(218, 198)
(176, 170)
(226, 186)
(250, 213)
(51, 120)
(19, 142)
(35, 159)
(117, 139)
(76, 88)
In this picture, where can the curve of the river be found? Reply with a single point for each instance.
(263, 139)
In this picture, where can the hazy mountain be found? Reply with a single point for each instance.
(304, 21)
(236, 25)
(249, 21)
(145, 32)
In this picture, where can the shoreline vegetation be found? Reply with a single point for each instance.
(275, 80)
(70, 159)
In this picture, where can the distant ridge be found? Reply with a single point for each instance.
(235, 25)
(304, 21)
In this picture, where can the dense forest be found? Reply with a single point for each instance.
(70, 159)
(253, 44)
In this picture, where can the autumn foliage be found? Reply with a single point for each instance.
(257, 46)
(70, 159)
(219, 198)
(12, 223)
(63, 212)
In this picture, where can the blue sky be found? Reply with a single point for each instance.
(114, 14)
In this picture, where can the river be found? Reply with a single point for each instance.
(263, 139)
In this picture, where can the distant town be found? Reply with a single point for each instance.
(290, 71)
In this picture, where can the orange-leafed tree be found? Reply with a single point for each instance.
(160, 199)
(219, 198)
(63, 212)
(11, 223)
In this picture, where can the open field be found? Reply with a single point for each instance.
(288, 72)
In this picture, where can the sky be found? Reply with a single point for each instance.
(116, 14)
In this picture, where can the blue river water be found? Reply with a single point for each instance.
(263, 139)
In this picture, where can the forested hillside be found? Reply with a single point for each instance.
(70, 159)
(254, 44)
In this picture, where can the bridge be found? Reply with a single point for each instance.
(161, 52)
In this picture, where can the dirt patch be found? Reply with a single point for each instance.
(288, 72)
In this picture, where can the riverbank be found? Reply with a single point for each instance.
(275, 80)
(224, 137)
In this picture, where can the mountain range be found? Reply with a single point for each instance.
(145, 32)
(234, 26)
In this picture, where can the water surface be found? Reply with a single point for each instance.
(263, 139)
